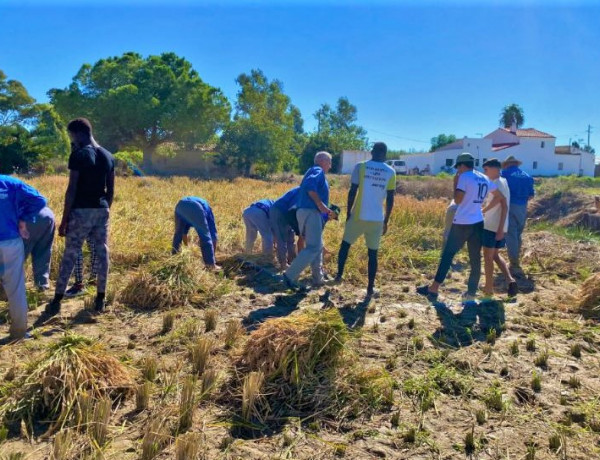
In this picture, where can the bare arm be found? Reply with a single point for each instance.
(389, 205)
(459, 195)
(503, 213)
(110, 187)
(496, 199)
(351, 197)
(320, 205)
(69, 200)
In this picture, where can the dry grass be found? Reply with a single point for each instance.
(72, 369)
(295, 346)
(200, 354)
(589, 299)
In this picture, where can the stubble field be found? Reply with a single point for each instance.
(192, 364)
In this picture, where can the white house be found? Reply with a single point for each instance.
(351, 158)
(536, 149)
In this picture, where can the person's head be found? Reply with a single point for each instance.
(510, 161)
(80, 131)
(491, 168)
(379, 151)
(323, 159)
(464, 162)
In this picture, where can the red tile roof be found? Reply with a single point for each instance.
(453, 145)
(497, 147)
(530, 132)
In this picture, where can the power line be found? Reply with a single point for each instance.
(396, 136)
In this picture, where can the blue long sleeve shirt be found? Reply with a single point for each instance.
(520, 185)
(314, 180)
(210, 218)
(18, 201)
(288, 200)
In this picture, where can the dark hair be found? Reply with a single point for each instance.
(468, 164)
(379, 150)
(80, 126)
(492, 163)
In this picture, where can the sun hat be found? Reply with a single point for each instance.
(511, 160)
(463, 158)
(492, 163)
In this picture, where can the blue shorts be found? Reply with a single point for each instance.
(489, 240)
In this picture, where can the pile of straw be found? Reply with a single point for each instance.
(589, 298)
(174, 282)
(72, 371)
(296, 347)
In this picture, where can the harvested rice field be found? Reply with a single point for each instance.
(191, 364)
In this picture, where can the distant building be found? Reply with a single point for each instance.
(536, 149)
(351, 158)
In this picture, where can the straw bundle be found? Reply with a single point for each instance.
(589, 299)
(295, 346)
(52, 386)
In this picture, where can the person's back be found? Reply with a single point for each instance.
(94, 165)
(375, 179)
(475, 186)
(520, 184)
(491, 218)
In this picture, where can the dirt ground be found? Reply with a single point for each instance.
(398, 330)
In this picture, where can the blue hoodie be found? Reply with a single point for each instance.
(18, 201)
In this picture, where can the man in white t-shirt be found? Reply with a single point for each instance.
(470, 190)
(495, 225)
(373, 182)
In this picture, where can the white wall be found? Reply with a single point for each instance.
(351, 158)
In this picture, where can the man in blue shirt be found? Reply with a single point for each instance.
(520, 185)
(312, 202)
(256, 219)
(195, 212)
(282, 230)
(19, 203)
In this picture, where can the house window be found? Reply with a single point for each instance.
(560, 166)
(449, 161)
(535, 165)
(477, 162)
(543, 143)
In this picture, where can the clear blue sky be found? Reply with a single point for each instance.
(413, 69)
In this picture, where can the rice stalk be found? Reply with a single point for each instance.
(61, 445)
(200, 354)
(251, 392)
(187, 404)
(155, 438)
(210, 319)
(187, 447)
(99, 428)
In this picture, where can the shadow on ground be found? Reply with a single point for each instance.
(470, 325)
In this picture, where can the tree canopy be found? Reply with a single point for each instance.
(337, 130)
(510, 113)
(265, 129)
(136, 102)
(30, 134)
(440, 140)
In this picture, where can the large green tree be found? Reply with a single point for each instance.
(136, 102)
(510, 113)
(337, 130)
(440, 140)
(30, 134)
(266, 128)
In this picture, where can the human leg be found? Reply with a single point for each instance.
(456, 240)
(280, 229)
(311, 226)
(251, 229)
(41, 252)
(181, 229)
(99, 238)
(372, 270)
(474, 246)
(192, 214)
(12, 275)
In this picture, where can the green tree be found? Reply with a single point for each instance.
(337, 130)
(30, 134)
(510, 113)
(440, 140)
(265, 129)
(141, 103)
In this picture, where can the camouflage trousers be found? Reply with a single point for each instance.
(85, 224)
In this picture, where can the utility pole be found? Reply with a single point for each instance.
(589, 130)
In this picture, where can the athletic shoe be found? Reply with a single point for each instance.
(99, 305)
(513, 289)
(292, 285)
(52, 308)
(424, 291)
(76, 290)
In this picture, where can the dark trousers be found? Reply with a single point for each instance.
(459, 235)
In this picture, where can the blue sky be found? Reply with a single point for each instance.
(413, 69)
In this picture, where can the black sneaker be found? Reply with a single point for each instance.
(513, 289)
(99, 305)
(424, 291)
(52, 308)
(76, 290)
(291, 285)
